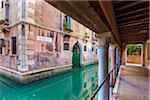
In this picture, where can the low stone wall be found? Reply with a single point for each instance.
(26, 78)
(31, 76)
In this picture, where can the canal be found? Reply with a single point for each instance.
(75, 85)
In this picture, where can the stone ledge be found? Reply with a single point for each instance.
(28, 77)
(34, 71)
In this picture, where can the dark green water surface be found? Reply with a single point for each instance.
(75, 85)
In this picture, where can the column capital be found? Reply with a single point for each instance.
(113, 46)
(104, 37)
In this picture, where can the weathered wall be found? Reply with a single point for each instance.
(43, 53)
(39, 47)
(40, 12)
(15, 11)
(7, 59)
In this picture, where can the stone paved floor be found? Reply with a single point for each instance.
(134, 84)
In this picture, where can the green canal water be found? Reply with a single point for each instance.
(76, 85)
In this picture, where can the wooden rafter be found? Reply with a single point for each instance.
(129, 5)
(132, 12)
(133, 34)
(133, 24)
(134, 27)
(133, 17)
(135, 21)
(132, 31)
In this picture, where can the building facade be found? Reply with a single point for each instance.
(34, 35)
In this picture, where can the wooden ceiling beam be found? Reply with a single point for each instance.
(132, 12)
(129, 5)
(139, 37)
(130, 22)
(133, 31)
(116, 2)
(133, 24)
(136, 34)
(144, 15)
(134, 27)
(108, 10)
(134, 40)
(133, 34)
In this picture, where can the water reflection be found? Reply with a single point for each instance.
(77, 85)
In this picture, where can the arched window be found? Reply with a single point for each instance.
(66, 46)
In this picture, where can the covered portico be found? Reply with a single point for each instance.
(117, 24)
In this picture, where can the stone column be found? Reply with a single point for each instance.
(113, 62)
(144, 53)
(123, 53)
(103, 94)
(117, 58)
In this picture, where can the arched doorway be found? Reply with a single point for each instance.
(76, 57)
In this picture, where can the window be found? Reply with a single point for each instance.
(96, 51)
(1, 50)
(92, 48)
(14, 45)
(66, 46)
(1, 46)
(2, 4)
(51, 34)
(67, 22)
(85, 48)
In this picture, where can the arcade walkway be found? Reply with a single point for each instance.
(134, 84)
